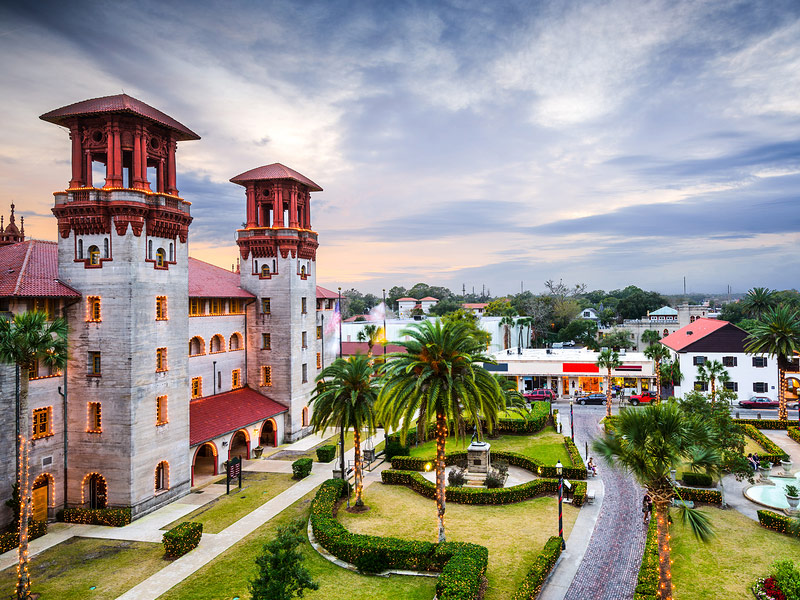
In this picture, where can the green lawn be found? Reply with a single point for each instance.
(228, 575)
(741, 552)
(514, 533)
(546, 446)
(68, 571)
(257, 488)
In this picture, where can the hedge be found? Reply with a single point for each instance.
(482, 496)
(325, 454)
(462, 565)
(182, 538)
(764, 423)
(113, 517)
(699, 495)
(696, 479)
(794, 433)
(10, 539)
(774, 521)
(774, 452)
(531, 586)
(302, 467)
(573, 452)
(647, 583)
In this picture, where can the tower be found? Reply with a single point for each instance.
(124, 247)
(278, 250)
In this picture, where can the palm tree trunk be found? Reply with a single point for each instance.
(782, 414)
(662, 527)
(506, 337)
(713, 391)
(658, 382)
(359, 479)
(608, 394)
(23, 577)
(441, 440)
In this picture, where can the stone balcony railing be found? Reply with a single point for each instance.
(95, 195)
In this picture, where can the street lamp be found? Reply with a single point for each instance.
(559, 470)
(571, 421)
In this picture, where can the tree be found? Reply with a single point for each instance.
(472, 321)
(439, 380)
(514, 400)
(777, 334)
(650, 336)
(758, 302)
(281, 574)
(445, 306)
(710, 372)
(648, 443)
(658, 353)
(618, 339)
(345, 397)
(635, 302)
(27, 340)
(581, 331)
(507, 323)
(371, 334)
(499, 308)
(671, 373)
(608, 359)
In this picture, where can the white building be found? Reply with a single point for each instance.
(665, 320)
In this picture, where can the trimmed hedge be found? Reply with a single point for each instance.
(302, 467)
(462, 565)
(482, 496)
(531, 586)
(764, 423)
(113, 517)
(775, 521)
(10, 539)
(700, 495)
(697, 479)
(573, 452)
(182, 538)
(774, 452)
(326, 454)
(794, 433)
(647, 582)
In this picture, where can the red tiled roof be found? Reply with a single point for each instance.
(429, 298)
(121, 103)
(223, 413)
(210, 281)
(325, 293)
(406, 299)
(275, 171)
(30, 268)
(351, 348)
(355, 318)
(475, 304)
(691, 333)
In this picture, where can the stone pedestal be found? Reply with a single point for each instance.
(478, 457)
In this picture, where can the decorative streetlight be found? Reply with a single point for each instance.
(559, 470)
(571, 421)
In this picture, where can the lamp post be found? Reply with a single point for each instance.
(571, 421)
(559, 470)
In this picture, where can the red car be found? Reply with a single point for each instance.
(759, 402)
(646, 397)
(543, 394)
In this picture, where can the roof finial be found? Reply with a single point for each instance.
(11, 218)
(22, 226)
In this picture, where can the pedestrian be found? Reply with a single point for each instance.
(647, 507)
(591, 467)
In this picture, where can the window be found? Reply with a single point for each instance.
(94, 255)
(80, 249)
(235, 341)
(161, 308)
(264, 270)
(161, 359)
(41, 422)
(237, 306)
(93, 309)
(94, 364)
(303, 306)
(217, 306)
(698, 360)
(700, 386)
(266, 341)
(265, 306)
(304, 339)
(94, 421)
(731, 385)
(305, 373)
(197, 387)
(728, 361)
(319, 332)
(217, 344)
(161, 410)
(162, 476)
(150, 249)
(266, 375)
(760, 387)
(319, 360)
(236, 379)
(196, 307)
(759, 361)
(171, 252)
(197, 346)
(161, 257)
(105, 248)
(219, 380)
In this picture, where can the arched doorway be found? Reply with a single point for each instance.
(95, 491)
(304, 416)
(42, 496)
(240, 445)
(269, 434)
(205, 461)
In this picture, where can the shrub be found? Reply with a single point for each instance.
(457, 477)
(394, 448)
(532, 584)
(10, 539)
(494, 479)
(788, 578)
(696, 479)
(182, 538)
(775, 521)
(764, 423)
(113, 517)
(700, 495)
(325, 454)
(774, 452)
(794, 433)
(647, 582)
(302, 467)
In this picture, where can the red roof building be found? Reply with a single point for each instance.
(217, 415)
(210, 281)
(326, 293)
(275, 171)
(352, 348)
(684, 338)
(30, 269)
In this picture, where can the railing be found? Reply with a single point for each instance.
(102, 195)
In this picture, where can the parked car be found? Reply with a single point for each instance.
(759, 402)
(596, 398)
(646, 397)
(542, 394)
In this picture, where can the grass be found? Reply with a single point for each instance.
(68, 571)
(546, 446)
(514, 533)
(312, 452)
(257, 488)
(741, 552)
(752, 447)
(229, 574)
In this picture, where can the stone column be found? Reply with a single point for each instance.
(307, 223)
(172, 148)
(77, 158)
(110, 166)
(252, 209)
(277, 207)
(293, 208)
(160, 182)
(117, 155)
(88, 176)
(145, 182)
(137, 158)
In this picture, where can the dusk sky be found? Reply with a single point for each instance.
(475, 143)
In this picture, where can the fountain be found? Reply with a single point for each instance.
(773, 494)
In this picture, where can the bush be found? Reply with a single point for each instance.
(696, 479)
(113, 517)
(775, 521)
(182, 538)
(774, 452)
(764, 423)
(372, 562)
(457, 477)
(700, 495)
(647, 582)
(532, 584)
(10, 539)
(494, 480)
(794, 433)
(788, 578)
(325, 454)
(302, 467)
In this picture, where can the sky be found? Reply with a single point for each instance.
(462, 143)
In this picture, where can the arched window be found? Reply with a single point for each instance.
(274, 266)
(105, 247)
(80, 249)
(161, 257)
(666, 333)
(304, 416)
(235, 341)
(150, 250)
(94, 255)
(264, 270)
(255, 266)
(197, 346)
(94, 491)
(217, 344)
(162, 476)
(303, 271)
(171, 252)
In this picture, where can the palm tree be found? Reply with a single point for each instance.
(671, 373)
(370, 334)
(759, 301)
(27, 340)
(777, 334)
(710, 372)
(526, 322)
(507, 323)
(658, 353)
(650, 337)
(345, 397)
(438, 380)
(514, 400)
(648, 444)
(608, 359)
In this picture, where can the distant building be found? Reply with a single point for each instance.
(665, 320)
(406, 307)
(589, 314)
(476, 308)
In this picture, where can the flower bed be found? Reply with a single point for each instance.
(767, 589)
(647, 582)
(531, 586)
(113, 517)
(774, 452)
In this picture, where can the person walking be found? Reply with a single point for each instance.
(647, 507)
